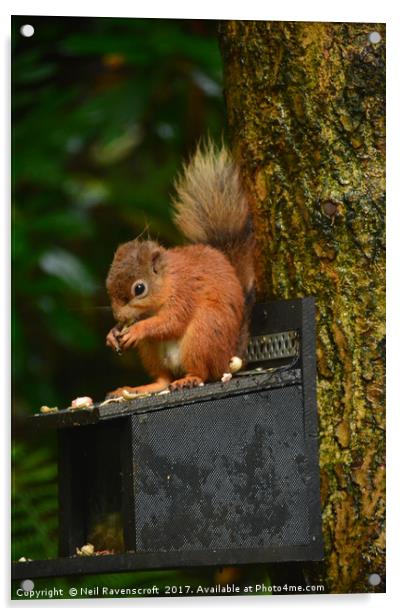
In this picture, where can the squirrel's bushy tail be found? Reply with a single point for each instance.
(211, 208)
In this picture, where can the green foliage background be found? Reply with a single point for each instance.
(103, 113)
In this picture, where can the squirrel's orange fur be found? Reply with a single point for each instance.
(185, 308)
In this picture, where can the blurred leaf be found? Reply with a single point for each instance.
(34, 520)
(86, 192)
(29, 68)
(69, 268)
(117, 148)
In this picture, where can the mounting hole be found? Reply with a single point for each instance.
(27, 30)
(374, 579)
(374, 37)
(27, 585)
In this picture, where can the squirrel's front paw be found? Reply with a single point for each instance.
(130, 337)
(112, 339)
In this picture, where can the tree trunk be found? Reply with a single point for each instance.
(305, 107)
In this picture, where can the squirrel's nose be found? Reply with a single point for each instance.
(122, 314)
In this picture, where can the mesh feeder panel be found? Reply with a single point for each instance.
(222, 474)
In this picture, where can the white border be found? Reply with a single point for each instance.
(292, 10)
(302, 10)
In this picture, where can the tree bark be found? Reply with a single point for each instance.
(305, 107)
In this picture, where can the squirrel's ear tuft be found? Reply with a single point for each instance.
(156, 260)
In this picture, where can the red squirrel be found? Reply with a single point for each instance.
(186, 309)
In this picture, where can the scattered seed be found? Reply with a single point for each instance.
(110, 400)
(130, 395)
(235, 364)
(82, 403)
(48, 409)
(86, 550)
(226, 377)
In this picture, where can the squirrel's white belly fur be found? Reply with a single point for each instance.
(170, 354)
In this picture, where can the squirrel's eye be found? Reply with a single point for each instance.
(139, 288)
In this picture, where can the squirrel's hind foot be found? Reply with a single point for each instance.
(186, 382)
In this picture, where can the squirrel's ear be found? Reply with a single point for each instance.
(156, 260)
